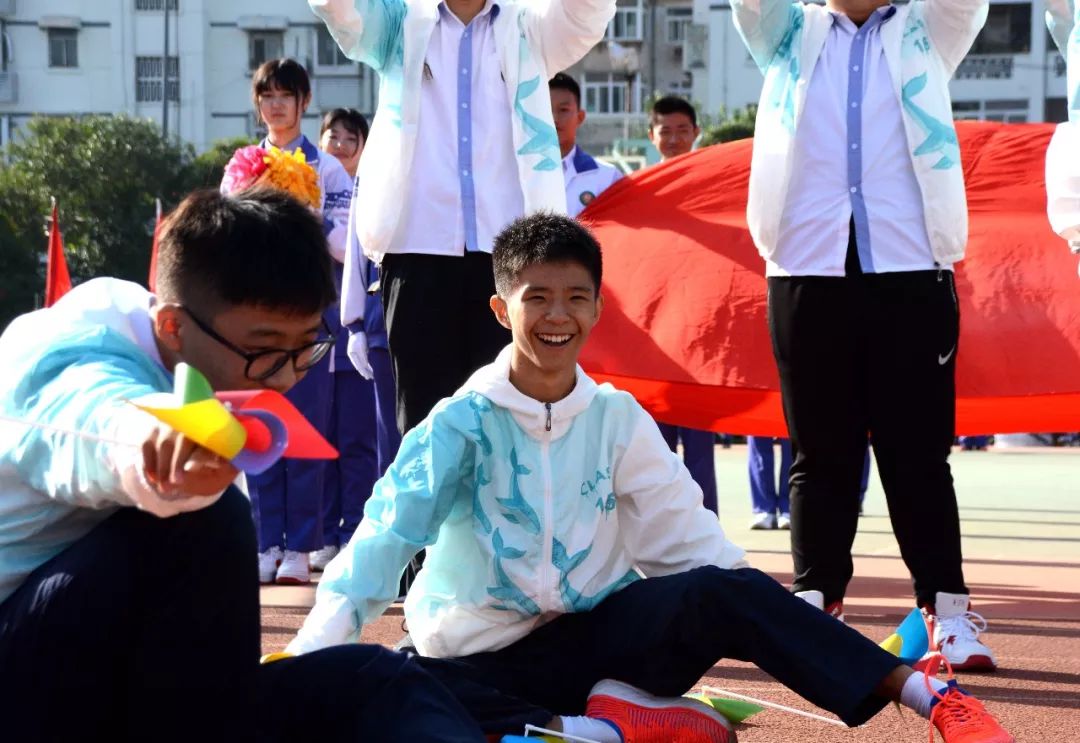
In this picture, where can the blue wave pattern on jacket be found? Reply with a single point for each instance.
(71, 366)
(520, 523)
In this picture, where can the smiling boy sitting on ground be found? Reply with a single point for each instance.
(571, 565)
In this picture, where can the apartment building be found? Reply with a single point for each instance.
(187, 63)
(1013, 73)
(641, 56)
(73, 57)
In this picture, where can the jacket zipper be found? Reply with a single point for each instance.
(548, 535)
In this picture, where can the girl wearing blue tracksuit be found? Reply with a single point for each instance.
(287, 498)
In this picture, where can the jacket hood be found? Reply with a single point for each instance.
(81, 316)
(493, 382)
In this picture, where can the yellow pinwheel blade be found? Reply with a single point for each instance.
(207, 422)
(893, 644)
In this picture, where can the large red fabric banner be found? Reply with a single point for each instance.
(684, 328)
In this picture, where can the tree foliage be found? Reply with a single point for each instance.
(728, 127)
(105, 173)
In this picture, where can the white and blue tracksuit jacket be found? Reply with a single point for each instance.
(1063, 154)
(924, 44)
(74, 366)
(528, 510)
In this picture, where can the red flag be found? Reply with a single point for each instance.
(57, 279)
(151, 281)
(686, 290)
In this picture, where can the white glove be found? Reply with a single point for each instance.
(332, 621)
(357, 350)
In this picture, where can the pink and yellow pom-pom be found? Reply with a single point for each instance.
(244, 168)
(291, 173)
(288, 172)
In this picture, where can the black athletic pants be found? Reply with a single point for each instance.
(662, 635)
(439, 326)
(870, 354)
(147, 629)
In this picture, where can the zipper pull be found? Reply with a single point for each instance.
(940, 271)
(547, 426)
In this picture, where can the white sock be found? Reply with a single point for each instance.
(587, 727)
(917, 697)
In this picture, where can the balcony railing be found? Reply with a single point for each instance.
(986, 68)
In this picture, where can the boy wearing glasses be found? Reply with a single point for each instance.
(288, 497)
(127, 553)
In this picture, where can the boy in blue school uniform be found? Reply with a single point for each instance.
(288, 497)
(129, 608)
(673, 129)
(574, 580)
(586, 178)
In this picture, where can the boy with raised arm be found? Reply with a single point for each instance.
(857, 205)
(462, 144)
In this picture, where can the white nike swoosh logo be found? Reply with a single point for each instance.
(943, 360)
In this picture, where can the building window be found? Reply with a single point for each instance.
(1057, 110)
(682, 87)
(626, 25)
(63, 47)
(678, 21)
(156, 4)
(329, 54)
(264, 46)
(995, 67)
(148, 79)
(1007, 31)
(611, 94)
(1006, 111)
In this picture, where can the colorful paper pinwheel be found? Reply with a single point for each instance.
(911, 640)
(251, 428)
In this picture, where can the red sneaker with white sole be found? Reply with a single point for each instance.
(954, 634)
(643, 718)
(961, 718)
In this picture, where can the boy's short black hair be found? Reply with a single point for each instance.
(280, 74)
(543, 237)
(672, 104)
(562, 81)
(258, 247)
(353, 121)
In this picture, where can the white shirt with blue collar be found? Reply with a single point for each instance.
(851, 164)
(586, 178)
(466, 182)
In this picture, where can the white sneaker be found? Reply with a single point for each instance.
(268, 564)
(817, 600)
(294, 569)
(763, 521)
(319, 559)
(954, 632)
(784, 521)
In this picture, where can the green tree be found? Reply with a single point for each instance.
(207, 169)
(728, 127)
(105, 173)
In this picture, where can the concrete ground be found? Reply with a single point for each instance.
(1020, 510)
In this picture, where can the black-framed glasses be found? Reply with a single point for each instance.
(261, 365)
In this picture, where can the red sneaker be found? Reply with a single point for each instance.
(643, 718)
(961, 718)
